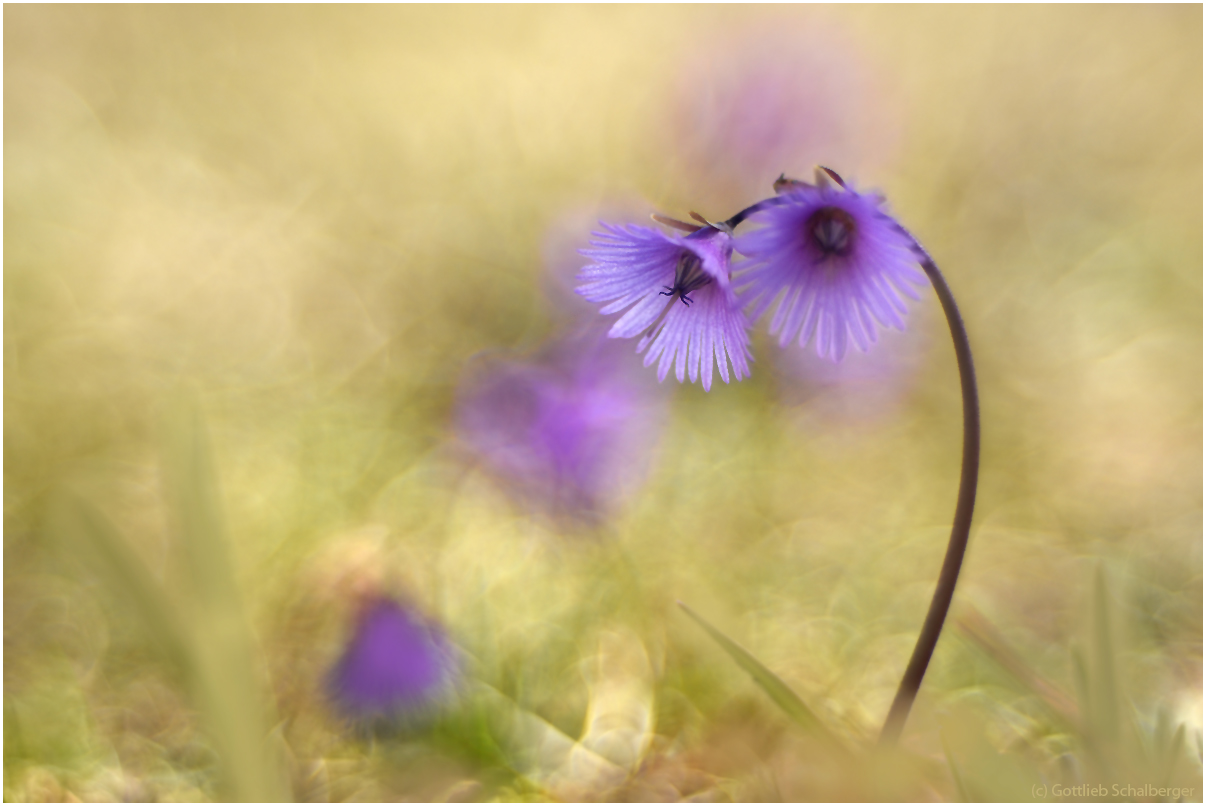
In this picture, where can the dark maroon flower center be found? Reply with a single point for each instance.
(689, 275)
(831, 231)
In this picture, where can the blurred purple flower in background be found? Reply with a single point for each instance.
(762, 100)
(570, 433)
(839, 262)
(396, 666)
(862, 388)
(679, 297)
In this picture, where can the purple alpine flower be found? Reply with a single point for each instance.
(839, 261)
(751, 100)
(570, 432)
(396, 664)
(679, 295)
(861, 388)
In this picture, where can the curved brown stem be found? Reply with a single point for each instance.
(960, 529)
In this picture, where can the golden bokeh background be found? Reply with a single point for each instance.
(298, 229)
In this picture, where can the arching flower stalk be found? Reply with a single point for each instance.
(841, 263)
(839, 267)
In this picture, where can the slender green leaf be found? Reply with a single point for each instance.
(1103, 681)
(1171, 753)
(227, 684)
(194, 497)
(767, 680)
(956, 772)
(84, 530)
(976, 629)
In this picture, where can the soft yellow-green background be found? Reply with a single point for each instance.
(312, 217)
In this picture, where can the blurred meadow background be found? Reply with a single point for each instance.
(296, 385)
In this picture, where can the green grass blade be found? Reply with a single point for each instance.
(973, 627)
(1080, 679)
(193, 496)
(1170, 754)
(956, 772)
(767, 680)
(84, 531)
(1103, 681)
(226, 681)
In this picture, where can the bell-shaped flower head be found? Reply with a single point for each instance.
(396, 667)
(835, 260)
(678, 294)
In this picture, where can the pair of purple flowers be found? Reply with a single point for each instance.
(835, 261)
(838, 266)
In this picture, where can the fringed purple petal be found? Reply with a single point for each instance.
(677, 295)
(834, 291)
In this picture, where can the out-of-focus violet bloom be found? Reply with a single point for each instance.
(837, 263)
(679, 298)
(570, 432)
(861, 388)
(396, 666)
(765, 98)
